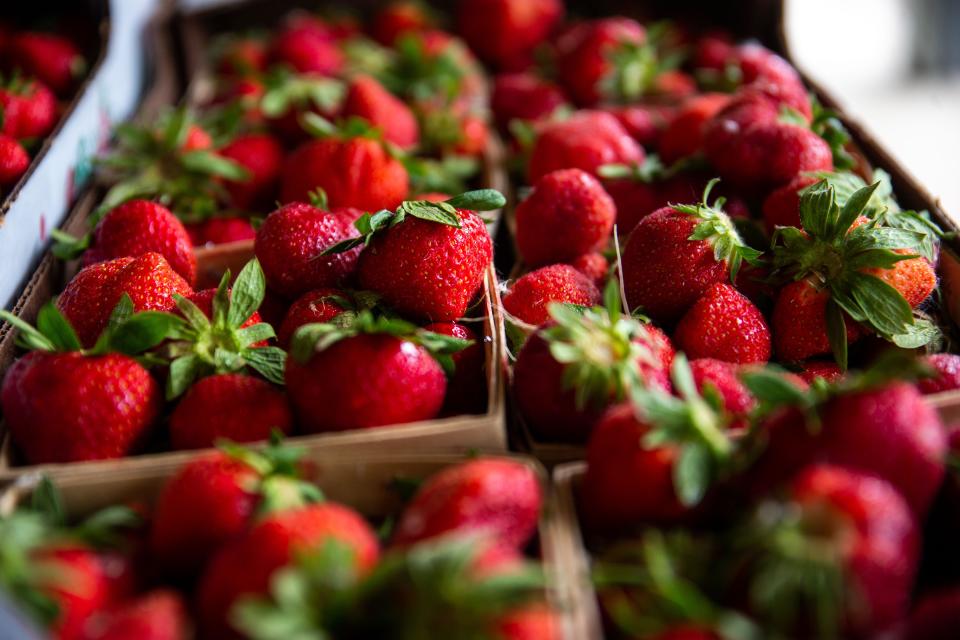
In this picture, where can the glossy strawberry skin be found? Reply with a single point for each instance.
(207, 502)
(30, 112)
(504, 33)
(946, 367)
(66, 407)
(495, 497)
(262, 156)
(368, 99)
(593, 265)
(140, 226)
(14, 161)
(467, 388)
(306, 50)
(799, 322)
(635, 199)
(683, 136)
(235, 407)
(523, 96)
(768, 73)
(365, 381)
(567, 214)
(587, 140)
(158, 615)
(290, 241)
(813, 369)
(90, 297)
(247, 564)
(74, 577)
(52, 59)
(664, 271)
(530, 296)
(782, 206)
(584, 55)
(725, 325)
(313, 306)
(644, 123)
(358, 172)
(426, 270)
(221, 230)
(915, 278)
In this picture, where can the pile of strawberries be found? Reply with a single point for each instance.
(38, 72)
(239, 543)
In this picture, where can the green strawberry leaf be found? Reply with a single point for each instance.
(919, 334)
(478, 200)
(440, 212)
(143, 331)
(691, 474)
(885, 308)
(193, 314)
(837, 333)
(67, 247)
(52, 324)
(854, 206)
(47, 500)
(255, 333)
(270, 362)
(247, 293)
(183, 371)
(209, 163)
(176, 128)
(29, 337)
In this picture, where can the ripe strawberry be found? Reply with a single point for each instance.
(289, 246)
(724, 324)
(523, 96)
(782, 207)
(587, 54)
(467, 387)
(373, 373)
(935, 616)
(530, 296)
(637, 194)
(566, 215)
(368, 99)
(764, 71)
(158, 615)
(221, 230)
(593, 265)
(246, 566)
(644, 123)
(813, 369)
(947, 373)
(723, 377)
(398, 18)
(92, 294)
(306, 50)
(288, 97)
(499, 498)
(242, 56)
(505, 33)
(29, 109)
(196, 139)
(14, 161)
(317, 306)
(587, 140)
(52, 59)
(73, 577)
(676, 253)
(572, 369)
(537, 622)
(132, 229)
(428, 260)
(354, 171)
(683, 136)
(262, 156)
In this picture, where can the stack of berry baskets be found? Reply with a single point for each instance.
(195, 283)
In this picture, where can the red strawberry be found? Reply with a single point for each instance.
(306, 50)
(585, 55)
(587, 140)
(723, 377)
(234, 406)
(744, 110)
(89, 299)
(530, 296)
(52, 59)
(799, 322)
(73, 576)
(291, 240)
(242, 57)
(593, 265)
(137, 227)
(782, 207)
(467, 388)
(935, 616)
(724, 324)
(196, 139)
(505, 33)
(246, 566)
(523, 96)
(29, 109)
(813, 369)
(158, 615)
(425, 268)
(319, 305)
(947, 373)
(712, 52)
(644, 123)
(367, 99)
(262, 156)
(398, 18)
(14, 161)
(537, 622)
(496, 497)
(221, 230)
(354, 172)
(684, 135)
(637, 196)
(764, 71)
(371, 374)
(675, 254)
(567, 214)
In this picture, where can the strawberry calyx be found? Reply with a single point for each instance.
(651, 170)
(343, 129)
(316, 337)
(636, 65)
(417, 74)
(825, 123)
(716, 228)
(221, 344)
(833, 251)
(286, 90)
(369, 225)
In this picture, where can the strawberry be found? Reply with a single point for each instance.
(246, 566)
(528, 298)
(29, 109)
(683, 136)
(473, 497)
(573, 368)
(586, 140)
(587, 54)
(372, 373)
(57, 398)
(505, 33)
(782, 207)
(675, 254)
(197, 139)
(221, 230)
(427, 260)
(290, 244)
(523, 96)
(317, 306)
(215, 498)
(537, 622)
(158, 615)
(935, 616)
(262, 157)
(813, 369)
(946, 367)
(286, 97)
(306, 50)
(228, 405)
(242, 56)
(723, 377)
(367, 99)
(92, 294)
(765, 71)
(593, 265)
(132, 229)
(566, 215)
(843, 269)
(467, 387)
(851, 562)
(52, 59)
(724, 324)
(638, 191)
(398, 18)
(644, 123)
(14, 161)
(353, 170)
